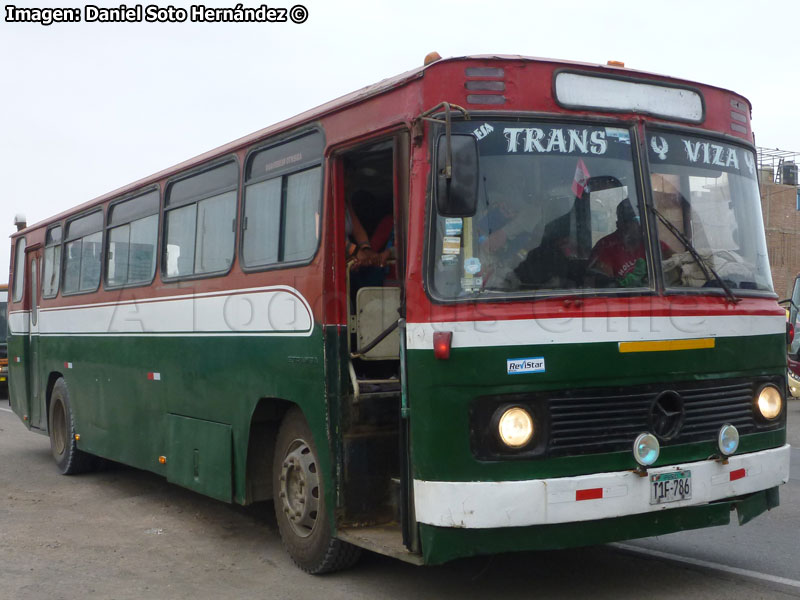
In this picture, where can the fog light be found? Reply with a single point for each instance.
(646, 449)
(515, 427)
(728, 440)
(769, 402)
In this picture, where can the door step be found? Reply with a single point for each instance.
(383, 539)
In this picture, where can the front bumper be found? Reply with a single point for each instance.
(490, 504)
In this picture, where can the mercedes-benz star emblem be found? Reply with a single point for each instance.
(666, 415)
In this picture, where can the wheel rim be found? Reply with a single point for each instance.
(299, 489)
(59, 432)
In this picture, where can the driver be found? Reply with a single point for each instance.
(621, 255)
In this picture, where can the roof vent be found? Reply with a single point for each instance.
(482, 80)
(739, 113)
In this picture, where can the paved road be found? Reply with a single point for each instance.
(770, 544)
(126, 534)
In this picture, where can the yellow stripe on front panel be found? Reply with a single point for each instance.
(667, 345)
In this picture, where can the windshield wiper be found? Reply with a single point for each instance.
(706, 268)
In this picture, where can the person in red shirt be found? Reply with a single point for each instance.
(621, 255)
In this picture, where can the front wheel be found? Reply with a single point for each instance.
(61, 428)
(300, 510)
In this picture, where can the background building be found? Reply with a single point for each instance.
(780, 203)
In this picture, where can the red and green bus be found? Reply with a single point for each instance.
(566, 335)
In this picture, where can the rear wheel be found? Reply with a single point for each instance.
(61, 427)
(300, 509)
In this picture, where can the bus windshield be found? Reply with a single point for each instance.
(708, 191)
(558, 210)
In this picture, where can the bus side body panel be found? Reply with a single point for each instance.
(126, 390)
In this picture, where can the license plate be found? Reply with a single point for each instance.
(670, 487)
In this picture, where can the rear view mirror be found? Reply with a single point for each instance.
(457, 186)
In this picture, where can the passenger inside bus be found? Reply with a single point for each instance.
(374, 286)
(369, 250)
(553, 264)
(376, 247)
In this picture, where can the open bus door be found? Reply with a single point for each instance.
(370, 182)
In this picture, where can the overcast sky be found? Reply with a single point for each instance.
(86, 108)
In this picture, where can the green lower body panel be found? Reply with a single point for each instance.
(441, 544)
(200, 456)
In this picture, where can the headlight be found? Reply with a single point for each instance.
(728, 439)
(515, 427)
(646, 449)
(769, 402)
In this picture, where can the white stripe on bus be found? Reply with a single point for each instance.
(528, 332)
(276, 310)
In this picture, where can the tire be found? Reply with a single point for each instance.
(61, 429)
(303, 518)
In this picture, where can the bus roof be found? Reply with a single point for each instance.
(340, 103)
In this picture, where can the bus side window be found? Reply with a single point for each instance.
(200, 214)
(133, 238)
(302, 206)
(282, 202)
(19, 270)
(52, 263)
(83, 251)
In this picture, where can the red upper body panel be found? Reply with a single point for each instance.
(395, 103)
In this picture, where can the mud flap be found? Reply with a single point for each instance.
(752, 506)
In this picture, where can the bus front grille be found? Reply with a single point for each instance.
(591, 421)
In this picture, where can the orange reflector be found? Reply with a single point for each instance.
(441, 344)
(162, 460)
(615, 63)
